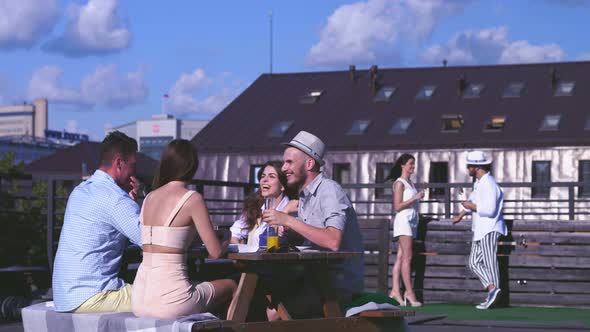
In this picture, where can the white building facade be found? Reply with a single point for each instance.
(154, 134)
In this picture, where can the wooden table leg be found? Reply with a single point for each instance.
(327, 293)
(238, 309)
(281, 309)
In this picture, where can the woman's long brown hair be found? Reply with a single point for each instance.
(251, 210)
(179, 162)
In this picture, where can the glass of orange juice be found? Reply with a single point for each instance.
(272, 233)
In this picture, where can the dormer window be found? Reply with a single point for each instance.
(473, 90)
(384, 94)
(513, 90)
(280, 128)
(451, 123)
(564, 88)
(495, 124)
(400, 126)
(550, 122)
(359, 127)
(426, 92)
(311, 97)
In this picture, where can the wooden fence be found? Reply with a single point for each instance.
(541, 264)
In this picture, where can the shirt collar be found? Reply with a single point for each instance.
(312, 187)
(281, 205)
(485, 175)
(102, 176)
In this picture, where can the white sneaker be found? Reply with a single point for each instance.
(492, 295)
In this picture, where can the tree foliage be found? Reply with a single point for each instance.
(23, 217)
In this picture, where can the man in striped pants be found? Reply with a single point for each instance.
(485, 204)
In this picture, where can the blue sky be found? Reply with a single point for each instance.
(109, 62)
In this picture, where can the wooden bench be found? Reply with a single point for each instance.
(376, 240)
(541, 263)
(42, 318)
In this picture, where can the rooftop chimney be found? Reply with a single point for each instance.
(373, 78)
(444, 62)
(461, 85)
(553, 77)
(352, 73)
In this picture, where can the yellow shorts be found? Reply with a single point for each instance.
(108, 301)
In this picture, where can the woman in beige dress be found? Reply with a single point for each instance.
(171, 217)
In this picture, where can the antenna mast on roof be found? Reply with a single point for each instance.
(270, 37)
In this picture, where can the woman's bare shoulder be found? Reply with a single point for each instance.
(398, 185)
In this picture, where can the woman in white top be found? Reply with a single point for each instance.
(273, 185)
(406, 200)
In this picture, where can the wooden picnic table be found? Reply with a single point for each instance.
(248, 263)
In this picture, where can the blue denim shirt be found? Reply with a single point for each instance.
(99, 218)
(323, 203)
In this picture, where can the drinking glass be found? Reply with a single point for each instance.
(272, 232)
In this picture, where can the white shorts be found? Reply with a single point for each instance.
(405, 224)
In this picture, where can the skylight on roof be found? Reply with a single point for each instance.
(359, 127)
(495, 123)
(400, 126)
(513, 90)
(564, 88)
(311, 97)
(384, 94)
(550, 122)
(426, 92)
(451, 123)
(473, 90)
(280, 128)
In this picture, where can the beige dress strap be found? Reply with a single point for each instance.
(177, 208)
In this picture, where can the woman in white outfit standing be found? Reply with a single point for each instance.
(406, 200)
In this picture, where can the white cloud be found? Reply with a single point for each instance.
(92, 29)
(195, 92)
(72, 126)
(103, 87)
(367, 32)
(24, 22)
(46, 82)
(569, 3)
(522, 51)
(490, 46)
(583, 57)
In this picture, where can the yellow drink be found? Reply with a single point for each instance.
(272, 242)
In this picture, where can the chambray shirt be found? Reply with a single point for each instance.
(489, 199)
(99, 218)
(324, 204)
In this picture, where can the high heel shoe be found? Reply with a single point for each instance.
(412, 303)
(398, 299)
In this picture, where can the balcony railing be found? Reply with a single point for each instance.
(565, 200)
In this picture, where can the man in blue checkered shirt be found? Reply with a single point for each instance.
(101, 215)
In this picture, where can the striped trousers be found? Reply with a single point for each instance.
(483, 261)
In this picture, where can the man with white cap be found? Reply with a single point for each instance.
(485, 203)
(326, 218)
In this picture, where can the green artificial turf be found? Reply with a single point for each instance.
(521, 314)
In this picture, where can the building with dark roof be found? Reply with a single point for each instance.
(532, 118)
